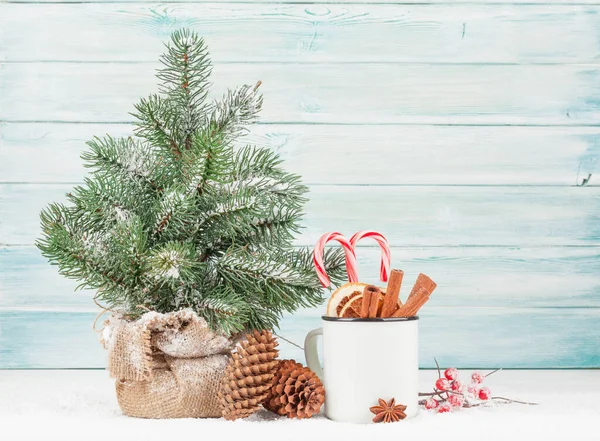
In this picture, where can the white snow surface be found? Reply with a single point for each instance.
(81, 405)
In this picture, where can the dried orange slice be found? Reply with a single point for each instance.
(351, 306)
(346, 301)
(340, 294)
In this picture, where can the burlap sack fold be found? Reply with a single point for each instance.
(166, 365)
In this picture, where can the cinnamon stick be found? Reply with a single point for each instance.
(419, 296)
(422, 280)
(413, 305)
(370, 301)
(391, 301)
(374, 305)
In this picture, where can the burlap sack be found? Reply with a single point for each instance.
(166, 365)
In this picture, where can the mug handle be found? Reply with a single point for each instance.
(310, 352)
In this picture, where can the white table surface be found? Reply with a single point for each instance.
(81, 405)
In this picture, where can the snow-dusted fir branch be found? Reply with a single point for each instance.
(185, 81)
(235, 110)
(177, 217)
(120, 155)
(156, 123)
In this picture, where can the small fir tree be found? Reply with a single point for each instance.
(176, 216)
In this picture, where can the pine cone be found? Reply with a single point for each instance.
(297, 392)
(284, 367)
(249, 375)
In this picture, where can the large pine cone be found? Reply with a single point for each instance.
(297, 392)
(249, 375)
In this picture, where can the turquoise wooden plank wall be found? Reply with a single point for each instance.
(463, 130)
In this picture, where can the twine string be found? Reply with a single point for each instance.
(100, 314)
(290, 342)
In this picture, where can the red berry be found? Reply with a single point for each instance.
(484, 393)
(477, 377)
(451, 374)
(457, 386)
(442, 384)
(473, 389)
(430, 403)
(444, 408)
(456, 400)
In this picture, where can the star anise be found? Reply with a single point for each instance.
(388, 412)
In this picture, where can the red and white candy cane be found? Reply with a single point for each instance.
(350, 258)
(385, 250)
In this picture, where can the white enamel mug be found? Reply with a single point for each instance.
(364, 360)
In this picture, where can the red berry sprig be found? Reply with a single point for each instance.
(449, 392)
